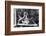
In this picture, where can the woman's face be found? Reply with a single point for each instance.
(25, 13)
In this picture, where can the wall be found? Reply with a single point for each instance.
(2, 18)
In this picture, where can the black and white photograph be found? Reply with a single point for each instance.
(26, 17)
